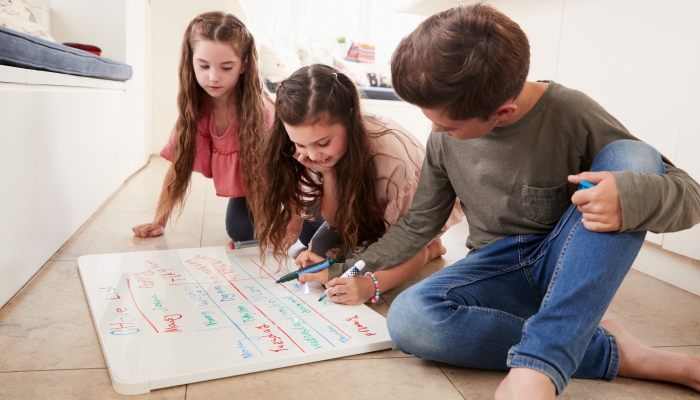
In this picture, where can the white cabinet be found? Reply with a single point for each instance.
(632, 58)
(68, 142)
(62, 155)
(687, 242)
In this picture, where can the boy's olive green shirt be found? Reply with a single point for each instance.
(513, 181)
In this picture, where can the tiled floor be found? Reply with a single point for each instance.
(49, 349)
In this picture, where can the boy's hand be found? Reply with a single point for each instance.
(307, 258)
(350, 291)
(600, 205)
(148, 230)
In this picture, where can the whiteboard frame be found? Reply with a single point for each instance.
(133, 360)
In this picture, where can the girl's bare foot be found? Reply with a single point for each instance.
(435, 249)
(525, 383)
(638, 360)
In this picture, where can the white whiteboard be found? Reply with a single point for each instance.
(172, 317)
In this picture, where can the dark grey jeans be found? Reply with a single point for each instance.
(239, 222)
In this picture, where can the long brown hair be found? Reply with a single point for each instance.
(310, 95)
(468, 60)
(246, 100)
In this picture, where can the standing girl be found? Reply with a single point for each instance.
(361, 169)
(224, 113)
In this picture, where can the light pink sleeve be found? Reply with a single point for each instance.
(399, 200)
(168, 151)
(202, 157)
(269, 112)
(397, 163)
(455, 217)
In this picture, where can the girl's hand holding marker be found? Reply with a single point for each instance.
(319, 266)
(307, 258)
(345, 286)
(346, 289)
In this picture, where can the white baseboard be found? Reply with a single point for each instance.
(672, 268)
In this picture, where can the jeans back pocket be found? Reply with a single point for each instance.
(544, 205)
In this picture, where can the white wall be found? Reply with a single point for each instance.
(96, 22)
(631, 57)
(259, 18)
(138, 89)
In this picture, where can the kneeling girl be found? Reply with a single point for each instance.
(361, 169)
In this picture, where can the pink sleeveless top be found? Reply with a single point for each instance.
(218, 157)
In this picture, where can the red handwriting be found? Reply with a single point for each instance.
(203, 268)
(144, 282)
(172, 325)
(360, 328)
(276, 340)
(162, 272)
(144, 279)
(219, 266)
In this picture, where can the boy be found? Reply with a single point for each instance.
(541, 271)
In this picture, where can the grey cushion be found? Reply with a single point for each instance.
(369, 92)
(378, 93)
(18, 49)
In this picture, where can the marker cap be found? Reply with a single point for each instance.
(359, 265)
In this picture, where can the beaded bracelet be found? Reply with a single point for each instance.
(376, 286)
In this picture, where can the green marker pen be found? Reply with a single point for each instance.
(311, 268)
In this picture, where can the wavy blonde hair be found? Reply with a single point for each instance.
(247, 100)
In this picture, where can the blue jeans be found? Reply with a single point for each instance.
(530, 301)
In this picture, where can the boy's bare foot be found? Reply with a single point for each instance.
(638, 360)
(436, 249)
(526, 383)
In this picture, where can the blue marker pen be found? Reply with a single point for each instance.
(348, 274)
(311, 268)
(585, 185)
